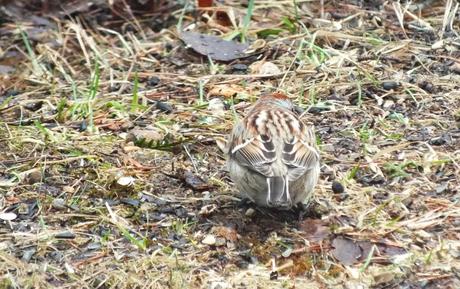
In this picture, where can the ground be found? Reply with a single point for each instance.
(112, 131)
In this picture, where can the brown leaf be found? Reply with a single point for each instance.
(204, 3)
(316, 230)
(349, 252)
(214, 47)
(228, 233)
(225, 90)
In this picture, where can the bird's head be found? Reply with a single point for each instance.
(277, 99)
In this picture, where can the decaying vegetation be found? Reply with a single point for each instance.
(111, 174)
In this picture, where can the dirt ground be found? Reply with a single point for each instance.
(112, 172)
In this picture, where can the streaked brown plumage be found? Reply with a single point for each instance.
(273, 157)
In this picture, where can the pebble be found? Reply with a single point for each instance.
(27, 254)
(65, 235)
(388, 85)
(209, 240)
(217, 106)
(153, 81)
(126, 181)
(239, 67)
(269, 68)
(337, 188)
(250, 212)
(59, 204)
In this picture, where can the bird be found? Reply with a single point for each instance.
(272, 155)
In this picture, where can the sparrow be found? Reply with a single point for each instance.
(272, 154)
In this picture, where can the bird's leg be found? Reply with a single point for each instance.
(244, 202)
(302, 210)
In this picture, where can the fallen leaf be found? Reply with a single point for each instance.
(228, 233)
(225, 90)
(316, 230)
(346, 251)
(214, 47)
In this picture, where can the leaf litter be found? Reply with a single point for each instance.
(112, 172)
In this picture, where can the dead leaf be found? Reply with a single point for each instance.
(316, 230)
(204, 3)
(346, 251)
(228, 233)
(214, 47)
(225, 90)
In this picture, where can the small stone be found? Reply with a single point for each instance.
(287, 253)
(93, 246)
(146, 135)
(163, 106)
(337, 188)
(209, 240)
(27, 254)
(269, 68)
(388, 85)
(388, 104)
(34, 106)
(217, 106)
(153, 81)
(131, 202)
(426, 86)
(59, 204)
(442, 187)
(83, 126)
(68, 189)
(327, 147)
(220, 242)
(219, 285)
(65, 235)
(126, 181)
(56, 256)
(250, 212)
(8, 216)
(441, 140)
(239, 67)
(438, 44)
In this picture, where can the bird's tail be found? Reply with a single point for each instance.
(278, 192)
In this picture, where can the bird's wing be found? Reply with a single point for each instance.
(257, 153)
(300, 154)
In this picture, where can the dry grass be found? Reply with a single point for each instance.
(96, 209)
